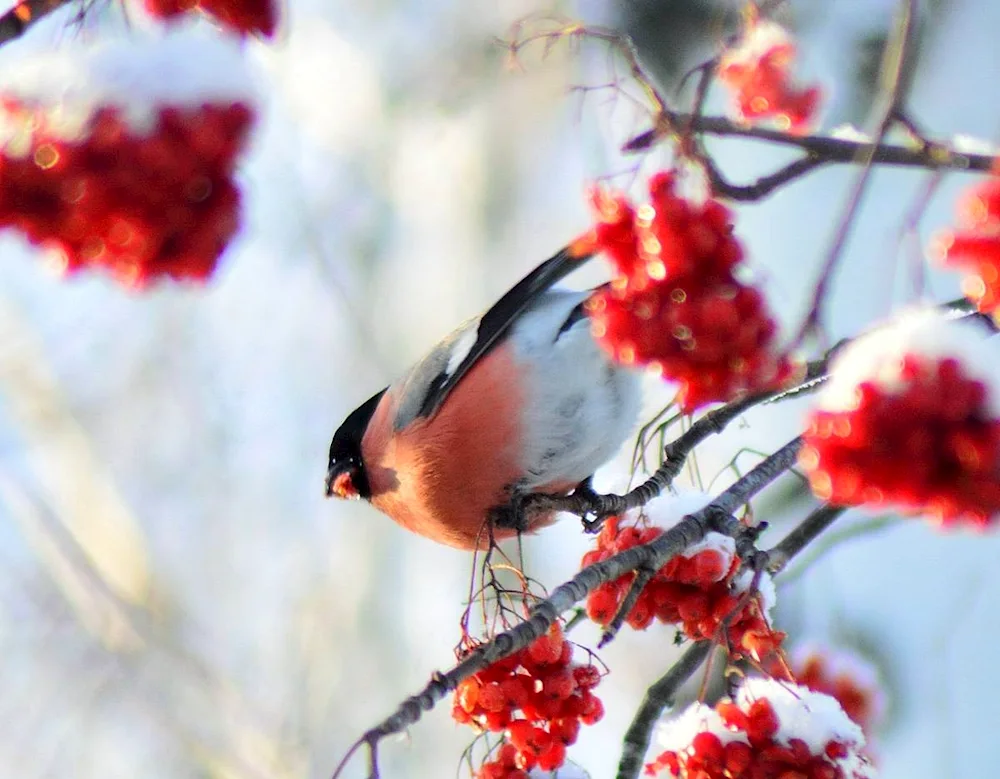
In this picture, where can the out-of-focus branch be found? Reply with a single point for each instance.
(684, 128)
(241, 746)
(18, 19)
(824, 148)
(899, 53)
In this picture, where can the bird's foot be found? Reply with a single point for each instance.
(592, 507)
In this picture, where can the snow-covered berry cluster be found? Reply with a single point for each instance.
(910, 419)
(677, 304)
(538, 699)
(846, 676)
(112, 170)
(758, 71)
(696, 590)
(773, 730)
(974, 246)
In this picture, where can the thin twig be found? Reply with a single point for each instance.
(642, 577)
(659, 696)
(763, 186)
(898, 54)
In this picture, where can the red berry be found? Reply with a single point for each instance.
(553, 757)
(491, 697)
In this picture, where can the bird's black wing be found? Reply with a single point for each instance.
(495, 322)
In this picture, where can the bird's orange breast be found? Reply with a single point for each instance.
(439, 477)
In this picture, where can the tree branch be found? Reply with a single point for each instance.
(807, 531)
(898, 54)
(659, 696)
(18, 19)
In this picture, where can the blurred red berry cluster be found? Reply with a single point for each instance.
(137, 204)
(929, 445)
(747, 739)
(677, 304)
(537, 699)
(692, 591)
(244, 17)
(758, 71)
(975, 245)
(846, 678)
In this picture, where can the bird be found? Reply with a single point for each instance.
(517, 402)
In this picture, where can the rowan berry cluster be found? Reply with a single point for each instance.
(758, 71)
(926, 406)
(137, 203)
(677, 305)
(849, 679)
(771, 731)
(975, 245)
(537, 699)
(243, 17)
(697, 590)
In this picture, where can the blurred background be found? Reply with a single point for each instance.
(177, 599)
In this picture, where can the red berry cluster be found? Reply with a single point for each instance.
(929, 446)
(764, 754)
(245, 17)
(858, 699)
(537, 699)
(692, 592)
(757, 70)
(975, 246)
(139, 205)
(678, 305)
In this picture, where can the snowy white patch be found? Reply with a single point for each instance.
(848, 132)
(677, 733)
(813, 717)
(967, 144)
(460, 350)
(135, 74)
(757, 41)
(839, 662)
(878, 356)
(667, 510)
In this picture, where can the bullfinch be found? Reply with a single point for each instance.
(521, 400)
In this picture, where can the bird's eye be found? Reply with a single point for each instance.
(343, 486)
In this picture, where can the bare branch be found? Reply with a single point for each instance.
(898, 54)
(642, 577)
(827, 148)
